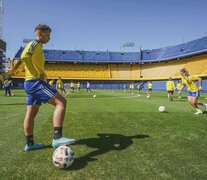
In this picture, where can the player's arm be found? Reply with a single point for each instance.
(26, 57)
(199, 83)
(182, 87)
(12, 71)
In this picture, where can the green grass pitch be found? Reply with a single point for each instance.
(120, 136)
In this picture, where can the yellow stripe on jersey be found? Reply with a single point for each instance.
(34, 60)
(170, 86)
(191, 83)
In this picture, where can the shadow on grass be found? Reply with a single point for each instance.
(103, 144)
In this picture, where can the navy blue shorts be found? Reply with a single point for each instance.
(193, 94)
(170, 92)
(38, 91)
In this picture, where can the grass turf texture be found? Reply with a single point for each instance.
(120, 136)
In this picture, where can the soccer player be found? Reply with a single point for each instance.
(149, 89)
(170, 87)
(88, 87)
(51, 83)
(72, 87)
(178, 87)
(1, 80)
(193, 89)
(138, 89)
(132, 88)
(124, 87)
(78, 87)
(7, 87)
(60, 85)
(38, 91)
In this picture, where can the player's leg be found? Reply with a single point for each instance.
(32, 111)
(58, 118)
(193, 101)
(9, 91)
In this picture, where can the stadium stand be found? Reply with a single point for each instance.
(155, 64)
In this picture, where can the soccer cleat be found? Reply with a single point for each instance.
(198, 112)
(62, 141)
(33, 147)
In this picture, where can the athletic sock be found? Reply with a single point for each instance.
(57, 132)
(29, 140)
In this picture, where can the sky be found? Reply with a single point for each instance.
(98, 25)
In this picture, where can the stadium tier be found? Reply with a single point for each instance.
(155, 64)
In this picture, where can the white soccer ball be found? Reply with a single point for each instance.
(63, 157)
(13, 94)
(162, 109)
(94, 96)
(148, 97)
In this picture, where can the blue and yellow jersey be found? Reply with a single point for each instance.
(72, 85)
(178, 86)
(59, 83)
(34, 60)
(138, 86)
(170, 86)
(132, 85)
(191, 83)
(149, 85)
(78, 85)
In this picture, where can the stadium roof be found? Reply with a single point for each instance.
(191, 48)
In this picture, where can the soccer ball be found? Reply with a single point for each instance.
(63, 157)
(162, 109)
(148, 97)
(12, 94)
(94, 96)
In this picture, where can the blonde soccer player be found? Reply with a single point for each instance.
(39, 91)
(60, 86)
(170, 87)
(149, 89)
(193, 91)
(178, 87)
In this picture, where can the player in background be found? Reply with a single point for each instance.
(124, 87)
(132, 88)
(72, 88)
(51, 82)
(7, 87)
(138, 89)
(193, 91)
(78, 87)
(88, 87)
(170, 87)
(38, 91)
(60, 86)
(1, 81)
(149, 89)
(178, 87)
